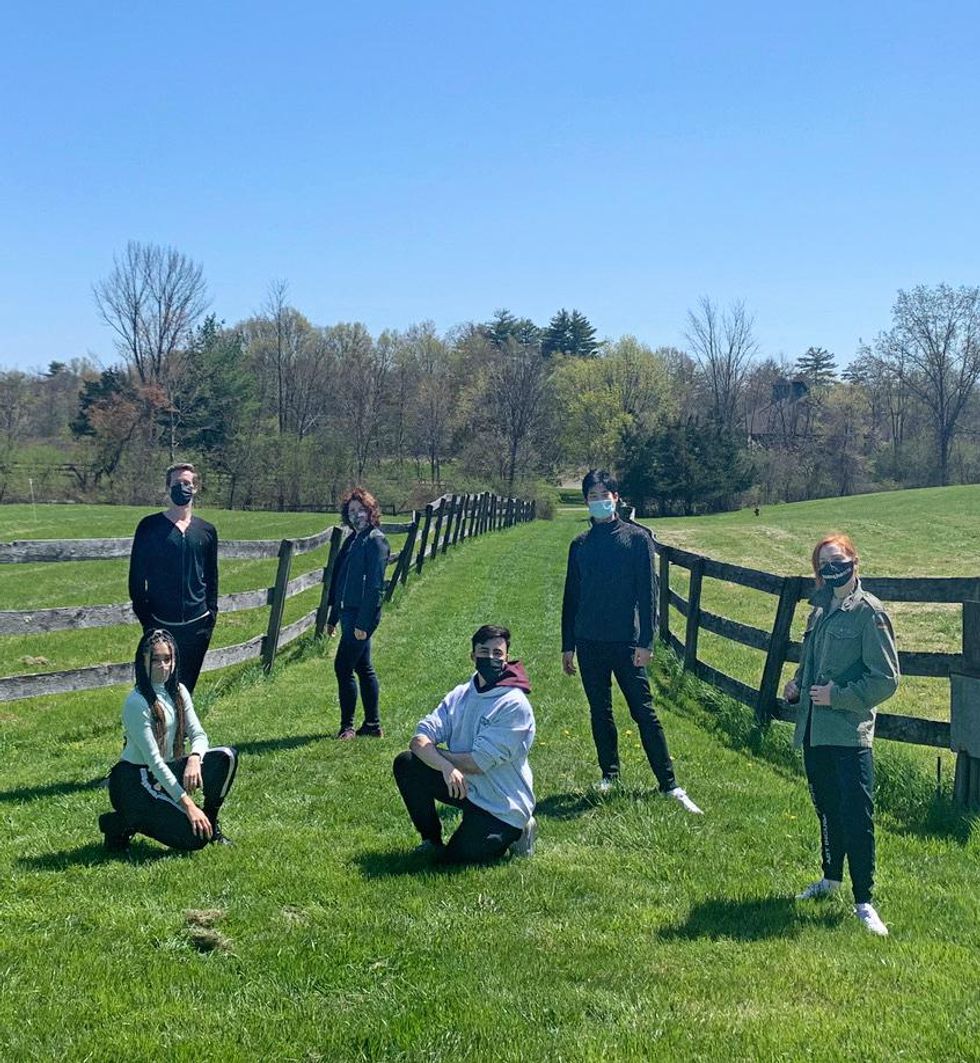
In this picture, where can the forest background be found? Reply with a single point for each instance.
(281, 412)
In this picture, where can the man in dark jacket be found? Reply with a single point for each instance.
(608, 616)
(173, 573)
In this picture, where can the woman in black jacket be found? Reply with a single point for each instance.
(356, 591)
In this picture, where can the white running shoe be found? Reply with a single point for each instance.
(606, 785)
(871, 920)
(823, 887)
(524, 846)
(686, 803)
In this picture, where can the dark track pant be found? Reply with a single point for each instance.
(192, 644)
(479, 838)
(144, 808)
(355, 657)
(841, 782)
(598, 662)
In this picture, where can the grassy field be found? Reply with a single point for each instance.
(636, 932)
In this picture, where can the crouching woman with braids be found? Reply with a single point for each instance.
(151, 785)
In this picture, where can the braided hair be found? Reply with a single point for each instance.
(145, 686)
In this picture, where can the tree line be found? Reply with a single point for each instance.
(281, 411)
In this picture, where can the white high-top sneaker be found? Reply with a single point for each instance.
(871, 920)
(818, 890)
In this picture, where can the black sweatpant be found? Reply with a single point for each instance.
(479, 838)
(144, 807)
(192, 642)
(598, 662)
(841, 782)
(354, 656)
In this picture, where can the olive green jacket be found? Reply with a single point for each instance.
(854, 649)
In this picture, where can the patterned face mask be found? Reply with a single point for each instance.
(603, 509)
(837, 573)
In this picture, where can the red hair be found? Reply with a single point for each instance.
(845, 542)
(367, 500)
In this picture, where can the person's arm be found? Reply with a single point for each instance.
(138, 724)
(199, 744)
(646, 590)
(423, 748)
(880, 658)
(137, 577)
(464, 761)
(569, 609)
(333, 596)
(375, 560)
(506, 738)
(791, 691)
(211, 575)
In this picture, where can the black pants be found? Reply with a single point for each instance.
(355, 656)
(144, 808)
(480, 837)
(192, 644)
(841, 782)
(598, 662)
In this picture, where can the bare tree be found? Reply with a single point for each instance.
(723, 345)
(363, 370)
(933, 348)
(517, 388)
(151, 300)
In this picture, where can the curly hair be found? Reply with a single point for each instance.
(367, 500)
(145, 686)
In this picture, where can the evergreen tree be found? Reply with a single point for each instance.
(570, 334)
(818, 368)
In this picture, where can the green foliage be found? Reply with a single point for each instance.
(818, 368)
(570, 334)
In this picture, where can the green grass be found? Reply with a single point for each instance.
(636, 932)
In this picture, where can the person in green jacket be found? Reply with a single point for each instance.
(848, 666)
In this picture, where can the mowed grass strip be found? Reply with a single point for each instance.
(635, 932)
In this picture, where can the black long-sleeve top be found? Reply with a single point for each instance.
(358, 579)
(173, 576)
(610, 586)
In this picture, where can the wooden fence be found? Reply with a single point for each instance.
(444, 522)
(961, 733)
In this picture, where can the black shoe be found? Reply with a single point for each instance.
(115, 836)
(218, 837)
(370, 730)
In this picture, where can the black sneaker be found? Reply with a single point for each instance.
(218, 836)
(427, 847)
(370, 730)
(115, 837)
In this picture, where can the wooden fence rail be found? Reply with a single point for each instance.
(451, 512)
(961, 733)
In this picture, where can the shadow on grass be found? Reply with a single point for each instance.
(93, 854)
(274, 745)
(51, 789)
(566, 806)
(393, 863)
(749, 920)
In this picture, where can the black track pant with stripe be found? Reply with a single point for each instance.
(143, 807)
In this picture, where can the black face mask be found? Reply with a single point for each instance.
(489, 669)
(181, 493)
(837, 573)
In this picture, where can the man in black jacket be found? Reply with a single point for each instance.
(608, 616)
(173, 573)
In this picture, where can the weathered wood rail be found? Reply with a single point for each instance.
(456, 518)
(779, 648)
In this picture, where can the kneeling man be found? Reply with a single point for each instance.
(471, 752)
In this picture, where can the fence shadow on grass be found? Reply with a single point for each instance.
(754, 919)
(94, 853)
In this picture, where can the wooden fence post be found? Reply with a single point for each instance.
(420, 560)
(336, 537)
(460, 518)
(534, 509)
(765, 706)
(450, 519)
(440, 515)
(693, 614)
(965, 713)
(409, 546)
(481, 523)
(278, 604)
(664, 624)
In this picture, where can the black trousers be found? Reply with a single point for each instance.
(352, 657)
(598, 662)
(192, 644)
(142, 807)
(841, 782)
(479, 838)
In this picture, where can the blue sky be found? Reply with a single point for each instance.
(396, 162)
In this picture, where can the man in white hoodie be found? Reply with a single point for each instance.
(471, 752)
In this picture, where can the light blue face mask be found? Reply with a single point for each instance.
(603, 509)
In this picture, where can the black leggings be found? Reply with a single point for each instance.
(354, 655)
(479, 837)
(143, 807)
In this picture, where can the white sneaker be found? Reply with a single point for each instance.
(871, 920)
(605, 785)
(686, 803)
(816, 890)
(524, 846)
